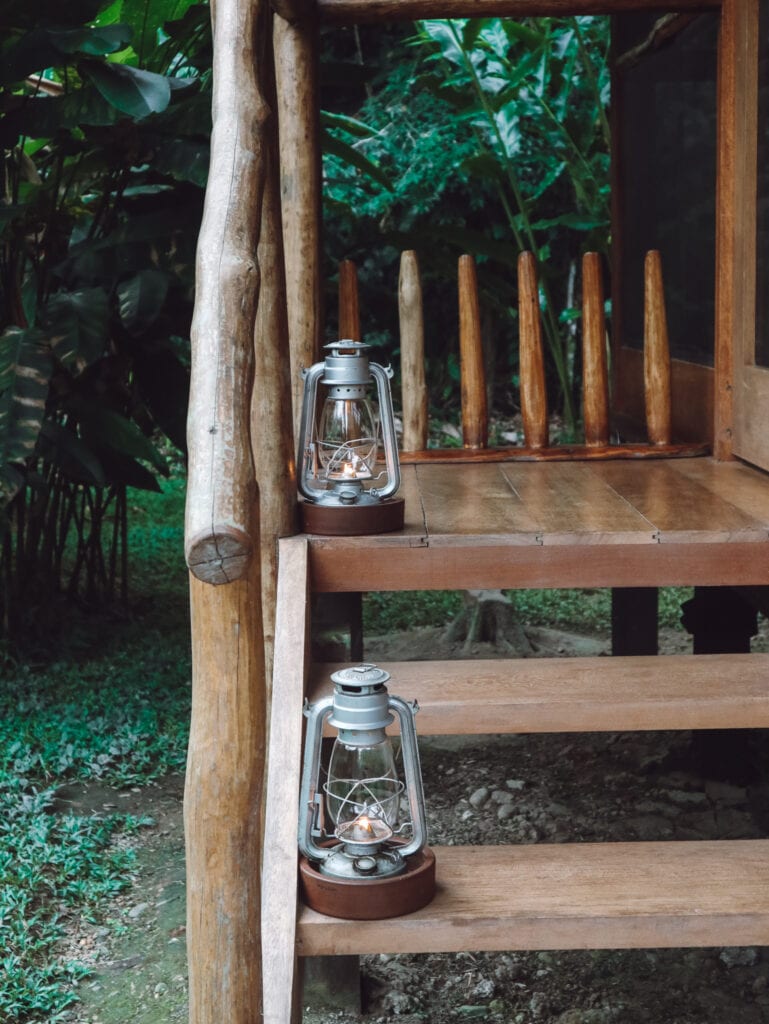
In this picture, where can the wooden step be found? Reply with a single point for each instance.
(580, 896)
(601, 694)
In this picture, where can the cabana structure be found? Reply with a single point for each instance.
(687, 505)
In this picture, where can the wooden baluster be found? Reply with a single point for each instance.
(349, 315)
(595, 380)
(531, 359)
(475, 424)
(656, 353)
(412, 339)
(298, 107)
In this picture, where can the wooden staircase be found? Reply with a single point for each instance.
(709, 524)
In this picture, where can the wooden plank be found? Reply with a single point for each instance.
(348, 12)
(572, 896)
(482, 563)
(412, 339)
(595, 377)
(570, 504)
(531, 355)
(475, 421)
(279, 874)
(679, 511)
(558, 453)
(594, 694)
(741, 486)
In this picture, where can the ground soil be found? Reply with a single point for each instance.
(500, 789)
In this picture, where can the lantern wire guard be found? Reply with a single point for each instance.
(360, 860)
(346, 490)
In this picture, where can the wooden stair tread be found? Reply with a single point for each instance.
(596, 694)
(571, 896)
(583, 524)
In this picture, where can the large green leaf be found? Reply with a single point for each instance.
(130, 90)
(104, 428)
(141, 298)
(78, 327)
(25, 372)
(64, 449)
(342, 150)
(164, 385)
(24, 14)
(46, 47)
(44, 117)
(146, 18)
(122, 469)
(184, 160)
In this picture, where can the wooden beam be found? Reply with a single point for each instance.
(221, 490)
(296, 56)
(279, 858)
(595, 376)
(223, 799)
(475, 420)
(272, 433)
(532, 360)
(656, 353)
(573, 896)
(348, 12)
(412, 345)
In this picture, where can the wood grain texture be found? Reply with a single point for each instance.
(531, 356)
(300, 179)
(559, 453)
(475, 420)
(573, 896)
(272, 434)
(221, 487)
(348, 12)
(412, 345)
(223, 799)
(656, 353)
(595, 377)
(349, 312)
(279, 858)
(535, 695)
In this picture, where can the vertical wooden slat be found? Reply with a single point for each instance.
(222, 800)
(656, 353)
(296, 60)
(531, 358)
(349, 312)
(272, 435)
(412, 345)
(595, 380)
(280, 853)
(475, 424)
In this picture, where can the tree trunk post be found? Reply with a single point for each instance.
(412, 338)
(532, 362)
(656, 353)
(475, 422)
(595, 378)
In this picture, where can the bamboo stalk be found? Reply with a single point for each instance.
(595, 380)
(656, 353)
(272, 436)
(531, 359)
(296, 51)
(475, 423)
(349, 314)
(412, 343)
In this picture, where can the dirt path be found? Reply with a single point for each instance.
(516, 789)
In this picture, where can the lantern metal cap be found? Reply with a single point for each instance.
(361, 675)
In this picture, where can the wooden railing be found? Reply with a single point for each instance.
(537, 445)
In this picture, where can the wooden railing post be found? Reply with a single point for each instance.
(349, 310)
(531, 358)
(595, 378)
(475, 422)
(296, 60)
(412, 344)
(656, 353)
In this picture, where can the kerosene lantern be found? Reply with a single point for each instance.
(361, 827)
(346, 487)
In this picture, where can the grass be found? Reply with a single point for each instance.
(114, 707)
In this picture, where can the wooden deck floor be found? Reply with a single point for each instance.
(530, 524)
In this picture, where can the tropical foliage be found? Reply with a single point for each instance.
(105, 152)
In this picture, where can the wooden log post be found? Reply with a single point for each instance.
(531, 357)
(349, 311)
(272, 435)
(412, 344)
(296, 59)
(595, 379)
(475, 421)
(222, 803)
(656, 353)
